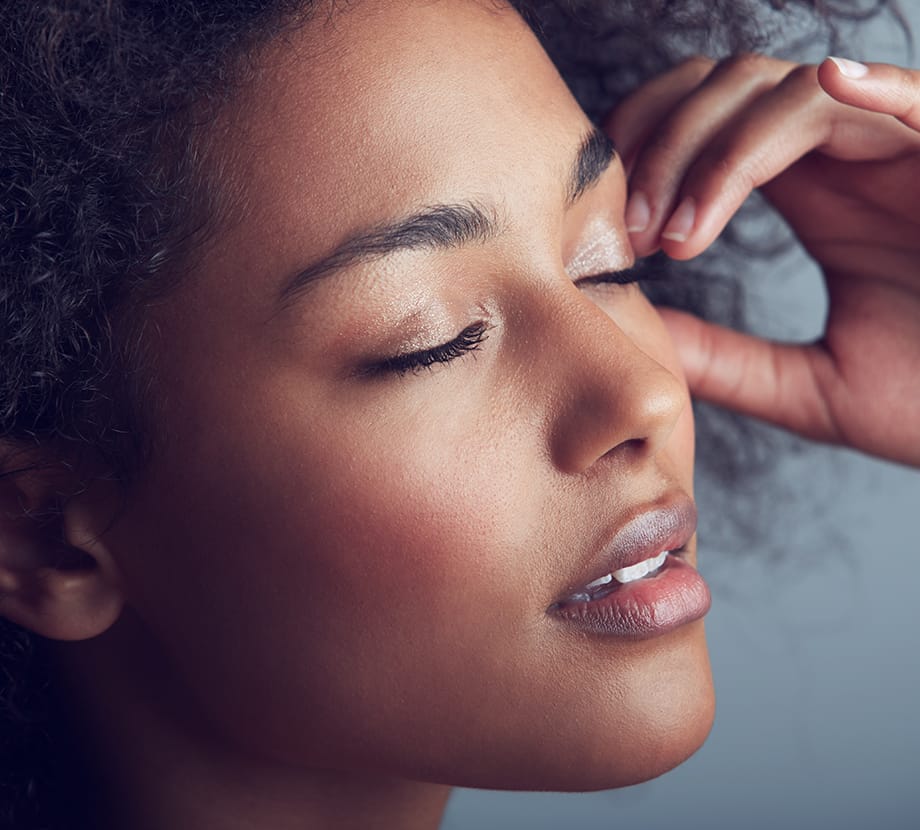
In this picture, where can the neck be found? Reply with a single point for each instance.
(160, 770)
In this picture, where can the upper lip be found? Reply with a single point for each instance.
(667, 525)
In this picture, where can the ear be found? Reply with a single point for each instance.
(57, 576)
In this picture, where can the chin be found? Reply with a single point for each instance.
(652, 759)
(641, 760)
(670, 709)
(592, 741)
(655, 758)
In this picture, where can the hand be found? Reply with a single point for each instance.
(839, 157)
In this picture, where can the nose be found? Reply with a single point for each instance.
(614, 398)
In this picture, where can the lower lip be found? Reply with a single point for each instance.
(649, 607)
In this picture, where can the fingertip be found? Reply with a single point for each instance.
(680, 227)
(689, 230)
(688, 334)
(848, 69)
(883, 88)
(682, 250)
(834, 82)
(642, 245)
(638, 214)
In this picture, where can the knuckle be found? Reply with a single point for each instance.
(908, 85)
(699, 60)
(733, 167)
(665, 144)
(751, 64)
(801, 85)
(664, 152)
(698, 65)
(804, 76)
(756, 71)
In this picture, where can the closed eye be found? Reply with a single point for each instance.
(643, 270)
(469, 340)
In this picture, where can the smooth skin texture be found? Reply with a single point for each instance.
(839, 157)
(336, 579)
(327, 597)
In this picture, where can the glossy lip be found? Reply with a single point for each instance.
(650, 607)
(666, 527)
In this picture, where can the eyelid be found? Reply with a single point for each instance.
(468, 340)
(645, 270)
(605, 252)
(625, 276)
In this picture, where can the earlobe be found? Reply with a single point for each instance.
(57, 575)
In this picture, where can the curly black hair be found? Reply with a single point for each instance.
(102, 109)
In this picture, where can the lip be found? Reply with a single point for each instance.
(649, 607)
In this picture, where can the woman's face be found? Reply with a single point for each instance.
(356, 560)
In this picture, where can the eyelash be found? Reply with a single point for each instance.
(469, 340)
(643, 270)
(473, 336)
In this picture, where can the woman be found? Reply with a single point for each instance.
(360, 467)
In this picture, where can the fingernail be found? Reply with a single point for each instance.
(850, 69)
(682, 221)
(638, 213)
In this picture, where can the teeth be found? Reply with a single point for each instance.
(598, 582)
(622, 576)
(640, 569)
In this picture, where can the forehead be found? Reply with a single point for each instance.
(384, 106)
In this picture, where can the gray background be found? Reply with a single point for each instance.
(815, 650)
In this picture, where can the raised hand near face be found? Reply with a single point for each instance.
(836, 149)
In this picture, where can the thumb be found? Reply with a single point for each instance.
(776, 382)
(878, 87)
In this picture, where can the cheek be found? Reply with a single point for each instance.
(342, 587)
(412, 500)
(356, 562)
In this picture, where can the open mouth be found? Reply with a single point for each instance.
(651, 586)
(607, 584)
(604, 586)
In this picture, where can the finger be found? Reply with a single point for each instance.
(794, 118)
(659, 170)
(637, 115)
(878, 87)
(783, 125)
(779, 383)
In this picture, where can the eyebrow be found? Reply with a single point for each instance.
(594, 157)
(445, 226)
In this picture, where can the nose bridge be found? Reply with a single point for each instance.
(614, 398)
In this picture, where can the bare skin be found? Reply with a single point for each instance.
(328, 599)
(839, 157)
(336, 575)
